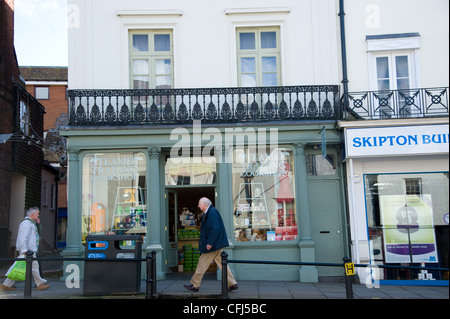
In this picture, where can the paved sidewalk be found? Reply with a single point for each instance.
(211, 289)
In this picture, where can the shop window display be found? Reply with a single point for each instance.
(407, 218)
(263, 195)
(114, 194)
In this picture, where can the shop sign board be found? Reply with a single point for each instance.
(396, 141)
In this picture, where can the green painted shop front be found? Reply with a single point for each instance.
(280, 197)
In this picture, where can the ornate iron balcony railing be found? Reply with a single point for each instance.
(214, 105)
(412, 103)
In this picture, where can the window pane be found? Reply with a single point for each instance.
(140, 67)
(268, 40)
(402, 84)
(190, 171)
(163, 66)
(316, 165)
(269, 64)
(247, 41)
(114, 194)
(162, 42)
(163, 82)
(383, 85)
(248, 80)
(383, 68)
(269, 79)
(264, 196)
(141, 82)
(41, 93)
(401, 63)
(248, 65)
(140, 42)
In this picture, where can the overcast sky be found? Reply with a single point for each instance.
(41, 32)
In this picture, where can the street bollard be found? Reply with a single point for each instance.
(349, 269)
(148, 279)
(224, 257)
(29, 263)
(151, 275)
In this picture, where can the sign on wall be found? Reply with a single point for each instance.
(397, 141)
(408, 228)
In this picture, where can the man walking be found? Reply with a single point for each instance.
(213, 238)
(28, 239)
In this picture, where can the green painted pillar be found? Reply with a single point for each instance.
(73, 248)
(306, 244)
(154, 211)
(225, 199)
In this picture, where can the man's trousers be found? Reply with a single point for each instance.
(203, 264)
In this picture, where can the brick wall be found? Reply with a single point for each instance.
(54, 106)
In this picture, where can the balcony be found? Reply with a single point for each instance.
(214, 105)
(396, 104)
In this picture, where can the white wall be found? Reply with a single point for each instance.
(204, 39)
(429, 18)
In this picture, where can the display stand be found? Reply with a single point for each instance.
(130, 211)
(252, 214)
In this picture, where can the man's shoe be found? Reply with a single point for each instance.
(234, 287)
(43, 287)
(191, 287)
(7, 288)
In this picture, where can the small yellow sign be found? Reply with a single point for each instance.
(349, 269)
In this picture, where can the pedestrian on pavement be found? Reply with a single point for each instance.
(213, 238)
(28, 239)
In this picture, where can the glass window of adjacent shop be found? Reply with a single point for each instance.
(114, 194)
(263, 195)
(408, 223)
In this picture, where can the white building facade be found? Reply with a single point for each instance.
(397, 143)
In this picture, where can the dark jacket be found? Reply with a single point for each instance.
(212, 231)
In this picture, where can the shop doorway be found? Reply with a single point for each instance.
(183, 226)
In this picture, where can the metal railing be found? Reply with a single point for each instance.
(347, 266)
(395, 104)
(151, 281)
(150, 290)
(209, 105)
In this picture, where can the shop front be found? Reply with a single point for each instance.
(268, 183)
(398, 198)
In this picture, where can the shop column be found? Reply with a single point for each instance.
(224, 193)
(306, 244)
(73, 248)
(154, 210)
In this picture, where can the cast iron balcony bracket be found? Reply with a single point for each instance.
(209, 105)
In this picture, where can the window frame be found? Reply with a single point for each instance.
(151, 56)
(258, 53)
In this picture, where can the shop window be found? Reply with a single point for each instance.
(407, 218)
(264, 195)
(114, 193)
(195, 171)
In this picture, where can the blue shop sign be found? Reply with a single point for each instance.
(398, 140)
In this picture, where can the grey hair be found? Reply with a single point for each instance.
(206, 201)
(31, 210)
